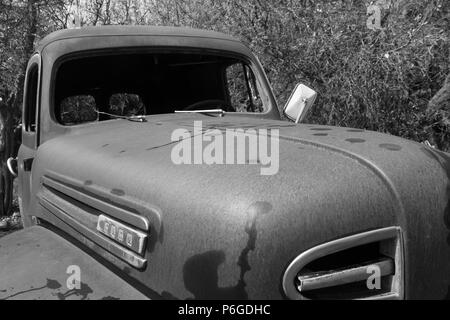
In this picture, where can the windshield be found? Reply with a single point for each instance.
(104, 87)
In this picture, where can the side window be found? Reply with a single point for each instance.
(78, 109)
(253, 88)
(244, 96)
(126, 104)
(31, 98)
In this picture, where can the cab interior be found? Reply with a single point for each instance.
(100, 87)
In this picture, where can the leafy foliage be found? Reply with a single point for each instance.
(374, 79)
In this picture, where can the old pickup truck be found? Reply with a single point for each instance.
(117, 205)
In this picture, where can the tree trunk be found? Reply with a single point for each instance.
(9, 115)
(7, 149)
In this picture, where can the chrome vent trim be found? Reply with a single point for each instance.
(80, 208)
(100, 205)
(119, 251)
(296, 283)
(314, 281)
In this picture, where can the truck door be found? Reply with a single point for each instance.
(30, 136)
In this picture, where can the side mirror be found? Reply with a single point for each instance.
(298, 104)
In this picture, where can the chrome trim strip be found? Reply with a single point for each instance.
(291, 273)
(313, 281)
(114, 211)
(122, 253)
(128, 237)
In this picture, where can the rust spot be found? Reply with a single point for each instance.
(88, 182)
(355, 130)
(118, 192)
(390, 146)
(320, 129)
(320, 134)
(355, 140)
(123, 151)
(126, 270)
(109, 298)
(105, 145)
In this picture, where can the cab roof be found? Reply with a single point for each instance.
(131, 31)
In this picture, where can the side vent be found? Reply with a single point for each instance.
(363, 266)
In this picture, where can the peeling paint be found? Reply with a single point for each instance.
(355, 140)
(390, 146)
(109, 298)
(118, 192)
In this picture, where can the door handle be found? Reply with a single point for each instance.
(11, 163)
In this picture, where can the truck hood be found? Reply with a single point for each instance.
(225, 219)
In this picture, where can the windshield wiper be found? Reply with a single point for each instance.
(220, 112)
(138, 118)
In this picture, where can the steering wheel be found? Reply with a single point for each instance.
(210, 104)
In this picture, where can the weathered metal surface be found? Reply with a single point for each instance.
(228, 232)
(130, 33)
